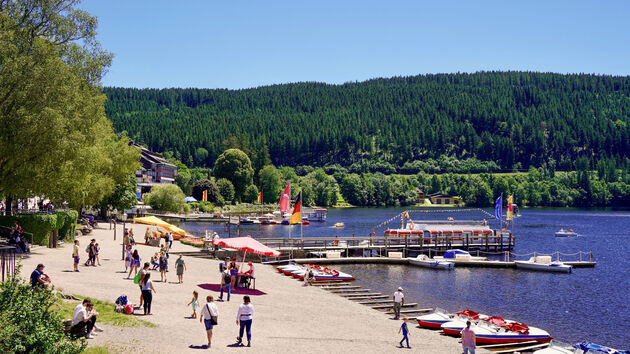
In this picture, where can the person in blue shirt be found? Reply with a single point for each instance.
(39, 278)
(405, 333)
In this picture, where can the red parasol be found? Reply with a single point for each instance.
(246, 244)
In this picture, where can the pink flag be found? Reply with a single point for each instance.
(285, 199)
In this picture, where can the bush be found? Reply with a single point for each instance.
(167, 197)
(69, 224)
(226, 188)
(29, 322)
(39, 225)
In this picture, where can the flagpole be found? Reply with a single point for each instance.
(301, 206)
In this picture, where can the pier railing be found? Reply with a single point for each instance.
(501, 241)
(7, 261)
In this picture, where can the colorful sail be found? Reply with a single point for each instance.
(509, 215)
(498, 207)
(296, 216)
(285, 199)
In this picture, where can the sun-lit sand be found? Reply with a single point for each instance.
(290, 318)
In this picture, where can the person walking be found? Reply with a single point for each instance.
(90, 252)
(97, 250)
(163, 267)
(210, 317)
(226, 280)
(143, 272)
(399, 301)
(244, 319)
(180, 265)
(75, 255)
(233, 267)
(170, 240)
(135, 263)
(147, 287)
(469, 341)
(128, 256)
(405, 332)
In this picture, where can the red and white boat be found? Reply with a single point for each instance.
(439, 317)
(495, 330)
(320, 273)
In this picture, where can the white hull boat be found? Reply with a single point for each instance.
(439, 317)
(565, 233)
(584, 347)
(424, 261)
(544, 263)
(506, 332)
(458, 255)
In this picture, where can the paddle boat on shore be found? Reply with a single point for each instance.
(544, 263)
(566, 233)
(320, 273)
(439, 317)
(423, 261)
(495, 330)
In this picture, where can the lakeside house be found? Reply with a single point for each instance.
(440, 198)
(154, 170)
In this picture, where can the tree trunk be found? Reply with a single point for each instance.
(9, 206)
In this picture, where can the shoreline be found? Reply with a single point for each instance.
(289, 318)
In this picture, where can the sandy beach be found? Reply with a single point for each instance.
(288, 318)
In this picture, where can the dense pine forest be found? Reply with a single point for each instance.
(499, 120)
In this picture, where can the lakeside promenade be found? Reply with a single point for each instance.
(289, 318)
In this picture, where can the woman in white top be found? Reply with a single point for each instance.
(147, 287)
(244, 318)
(211, 314)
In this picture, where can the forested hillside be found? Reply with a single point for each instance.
(514, 119)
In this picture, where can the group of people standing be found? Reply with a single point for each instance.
(210, 318)
(229, 275)
(92, 250)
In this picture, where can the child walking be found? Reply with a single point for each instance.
(194, 304)
(97, 250)
(405, 333)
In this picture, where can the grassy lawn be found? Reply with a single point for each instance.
(107, 315)
(96, 350)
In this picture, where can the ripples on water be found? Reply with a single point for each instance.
(589, 304)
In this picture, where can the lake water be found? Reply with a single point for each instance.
(589, 304)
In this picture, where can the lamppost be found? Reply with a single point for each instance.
(124, 218)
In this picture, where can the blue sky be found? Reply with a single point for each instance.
(241, 44)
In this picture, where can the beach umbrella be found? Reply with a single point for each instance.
(177, 230)
(152, 220)
(246, 244)
(190, 199)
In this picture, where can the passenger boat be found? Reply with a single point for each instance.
(495, 330)
(456, 254)
(424, 261)
(584, 347)
(247, 221)
(439, 317)
(566, 233)
(318, 214)
(544, 263)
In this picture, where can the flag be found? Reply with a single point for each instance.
(510, 200)
(498, 206)
(407, 215)
(260, 197)
(205, 195)
(285, 199)
(296, 216)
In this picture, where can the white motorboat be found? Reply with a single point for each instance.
(424, 261)
(459, 255)
(439, 317)
(566, 233)
(584, 347)
(544, 263)
(321, 273)
(495, 330)
(288, 269)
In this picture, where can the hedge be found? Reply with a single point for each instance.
(42, 225)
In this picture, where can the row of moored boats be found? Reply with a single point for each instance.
(320, 273)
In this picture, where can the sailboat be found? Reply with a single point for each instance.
(285, 201)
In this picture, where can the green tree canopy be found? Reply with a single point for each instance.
(205, 185)
(226, 189)
(166, 197)
(271, 183)
(235, 166)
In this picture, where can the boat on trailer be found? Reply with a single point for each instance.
(424, 261)
(544, 263)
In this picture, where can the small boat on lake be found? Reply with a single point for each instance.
(566, 233)
(339, 224)
(544, 263)
(456, 254)
(424, 261)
